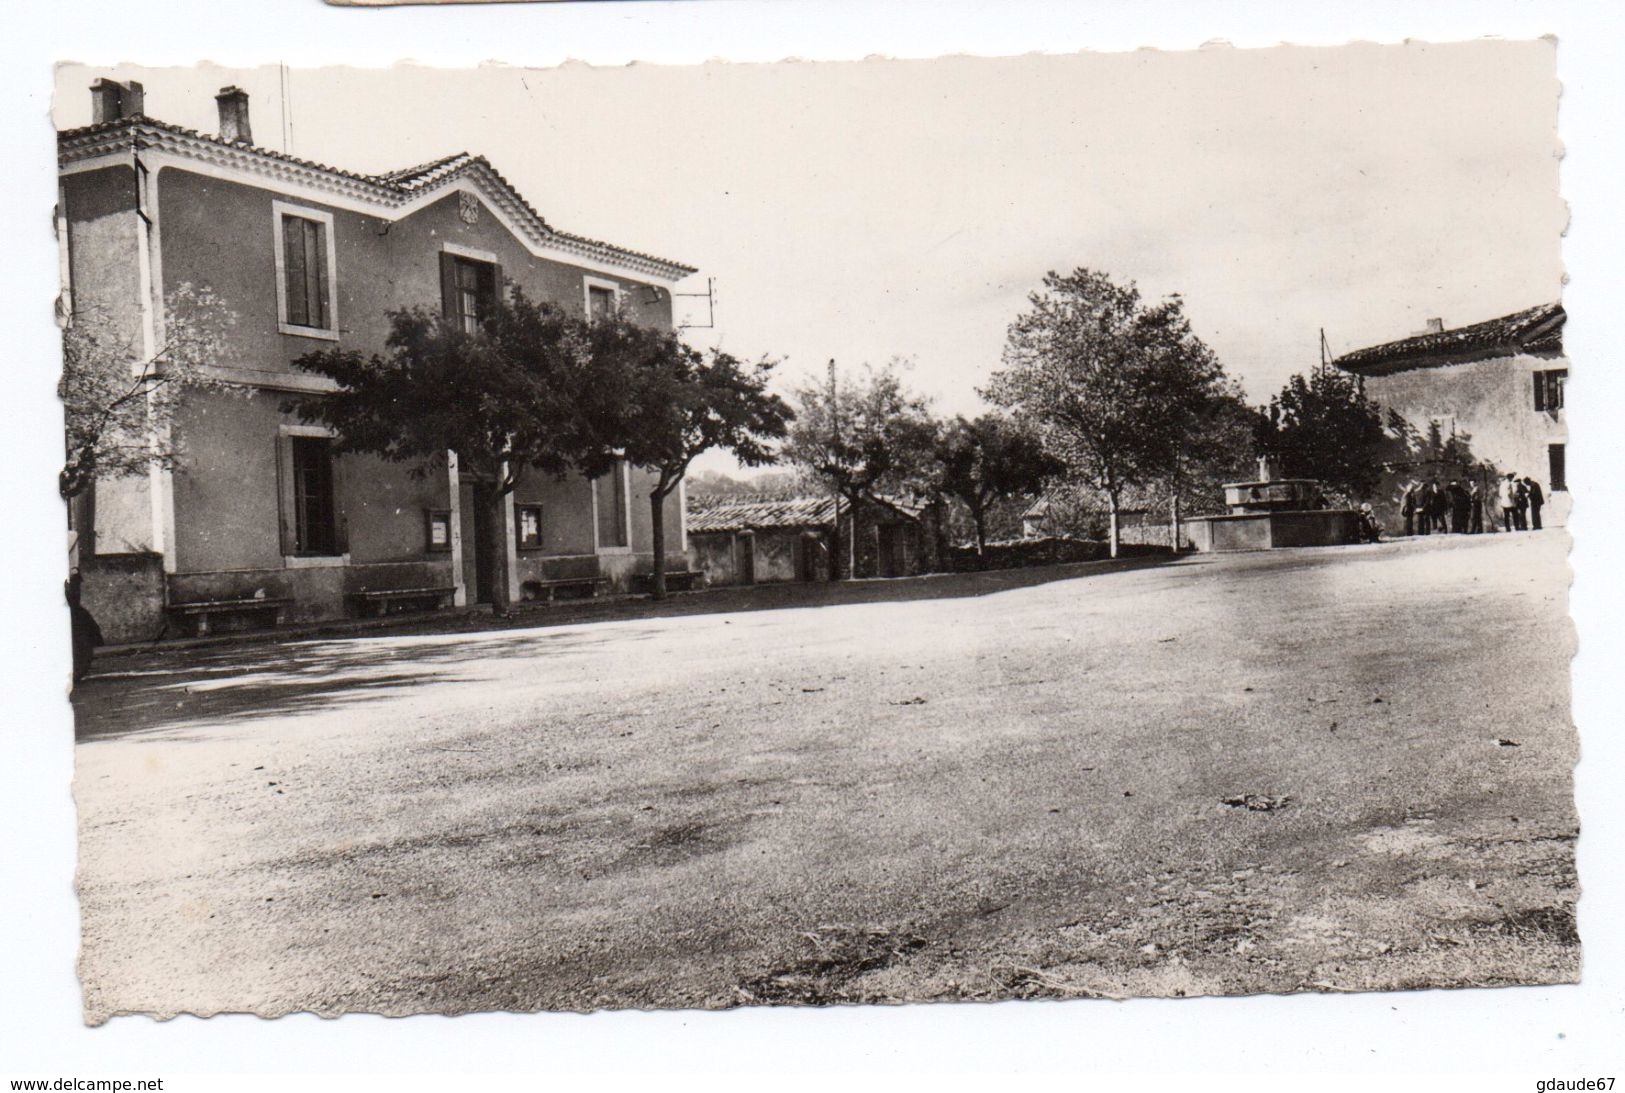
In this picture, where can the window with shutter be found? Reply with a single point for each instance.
(1549, 386)
(470, 288)
(315, 526)
(305, 285)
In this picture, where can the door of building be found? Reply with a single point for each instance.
(479, 545)
(890, 550)
(745, 559)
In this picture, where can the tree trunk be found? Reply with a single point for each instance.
(1112, 534)
(981, 538)
(657, 524)
(1175, 537)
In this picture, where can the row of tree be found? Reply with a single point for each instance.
(1103, 397)
(1099, 392)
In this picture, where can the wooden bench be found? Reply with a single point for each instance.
(677, 580)
(201, 611)
(376, 602)
(546, 591)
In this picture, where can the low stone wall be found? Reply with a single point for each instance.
(1022, 553)
(124, 593)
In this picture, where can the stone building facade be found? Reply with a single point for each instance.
(743, 542)
(306, 257)
(1475, 401)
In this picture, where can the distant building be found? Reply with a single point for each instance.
(741, 542)
(1486, 395)
(308, 257)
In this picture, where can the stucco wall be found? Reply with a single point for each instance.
(104, 285)
(228, 486)
(222, 234)
(1489, 404)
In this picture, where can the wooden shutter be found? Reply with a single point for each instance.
(284, 495)
(338, 465)
(321, 309)
(1540, 390)
(448, 288)
(293, 262)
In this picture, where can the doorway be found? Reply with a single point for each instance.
(890, 545)
(745, 558)
(479, 553)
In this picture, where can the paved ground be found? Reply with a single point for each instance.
(1014, 793)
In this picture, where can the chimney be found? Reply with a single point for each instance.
(106, 101)
(111, 100)
(234, 115)
(1435, 326)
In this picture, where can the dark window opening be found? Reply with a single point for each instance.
(474, 288)
(315, 526)
(1557, 459)
(1549, 386)
(304, 264)
(600, 302)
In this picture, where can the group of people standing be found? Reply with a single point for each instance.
(1430, 508)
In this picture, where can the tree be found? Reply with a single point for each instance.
(1118, 387)
(861, 438)
(1323, 427)
(989, 460)
(500, 398)
(119, 405)
(669, 402)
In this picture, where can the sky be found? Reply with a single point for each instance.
(861, 211)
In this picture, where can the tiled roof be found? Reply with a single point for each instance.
(415, 178)
(792, 512)
(796, 512)
(1536, 330)
(390, 188)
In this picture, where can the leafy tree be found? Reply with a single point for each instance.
(862, 437)
(664, 403)
(1323, 427)
(989, 460)
(1118, 387)
(715, 485)
(501, 398)
(119, 405)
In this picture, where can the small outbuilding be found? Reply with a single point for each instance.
(756, 541)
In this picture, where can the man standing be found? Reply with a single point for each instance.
(1536, 499)
(1475, 495)
(1520, 501)
(1438, 505)
(1459, 506)
(1507, 498)
(1408, 505)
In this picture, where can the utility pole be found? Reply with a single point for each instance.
(834, 441)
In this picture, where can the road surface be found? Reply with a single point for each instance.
(1335, 769)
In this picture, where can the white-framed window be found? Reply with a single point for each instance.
(313, 528)
(306, 271)
(601, 297)
(612, 509)
(470, 285)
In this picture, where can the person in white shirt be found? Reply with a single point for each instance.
(1506, 495)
